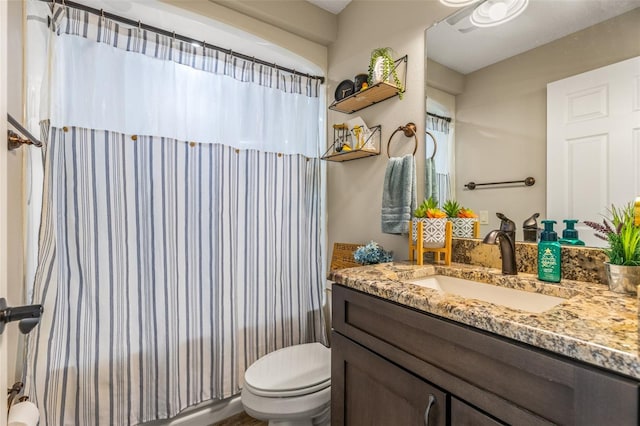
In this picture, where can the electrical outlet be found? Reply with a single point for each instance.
(484, 217)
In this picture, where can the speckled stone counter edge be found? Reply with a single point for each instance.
(594, 325)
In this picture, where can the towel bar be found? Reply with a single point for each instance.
(527, 182)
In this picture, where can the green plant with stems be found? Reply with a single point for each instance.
(622, 234)
(388, 68)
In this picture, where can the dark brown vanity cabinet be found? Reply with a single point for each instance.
(392, 365)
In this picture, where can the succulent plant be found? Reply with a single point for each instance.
(430, 205)
(451, 208)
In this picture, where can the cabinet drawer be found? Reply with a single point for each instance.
(511, 381)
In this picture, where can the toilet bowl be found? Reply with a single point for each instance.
(291, 386)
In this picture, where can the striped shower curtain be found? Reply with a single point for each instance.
(166, 268)
(181, 241)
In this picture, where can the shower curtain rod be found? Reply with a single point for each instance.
(204, 44)
(15, 141)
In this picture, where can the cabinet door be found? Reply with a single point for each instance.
(463, 414)
(369, 390)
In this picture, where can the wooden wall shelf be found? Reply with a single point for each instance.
(354, 154)
(374, 94)
(350, 155)
(364, 98)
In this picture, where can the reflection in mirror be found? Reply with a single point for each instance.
(492, 84)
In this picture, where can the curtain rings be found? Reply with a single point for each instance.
(409, 130)
(435, 144)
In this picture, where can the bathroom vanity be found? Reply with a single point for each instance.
(410, 355)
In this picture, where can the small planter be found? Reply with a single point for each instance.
(433, 232)
(623, 279)
(464, 227)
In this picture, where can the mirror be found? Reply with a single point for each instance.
(493, 81)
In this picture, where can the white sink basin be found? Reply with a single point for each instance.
(509, 297)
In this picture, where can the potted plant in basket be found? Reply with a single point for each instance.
(623, 235)
(434, 222)
(463, 219)
(382, 68)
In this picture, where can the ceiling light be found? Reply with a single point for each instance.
(458, 3)
(496, 12)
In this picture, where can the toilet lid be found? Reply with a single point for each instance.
(297, 369)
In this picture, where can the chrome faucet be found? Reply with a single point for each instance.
(507, 250)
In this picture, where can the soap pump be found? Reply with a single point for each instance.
(549, 253)
(530, 228)
(570, 234)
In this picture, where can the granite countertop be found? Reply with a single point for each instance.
(593, 325)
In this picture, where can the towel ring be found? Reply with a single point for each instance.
(435, 145)
(409, 130)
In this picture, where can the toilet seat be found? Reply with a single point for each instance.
(293, 371)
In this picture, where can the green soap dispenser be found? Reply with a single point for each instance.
(549, 254)
(570, 234)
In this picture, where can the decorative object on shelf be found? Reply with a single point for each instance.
(341, 138)
(371, 254)
(382, 68)
(623, 235)
(409, 130)
(360, 134)
(464, 220)
(359, 82)
(342, 135)
(344, 89)
(430, 232)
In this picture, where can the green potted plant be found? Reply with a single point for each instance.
(382, 68)
(623, 236)
(462, 218)
(433, 221)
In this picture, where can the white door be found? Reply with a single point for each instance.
(593, 143)
(3, 196)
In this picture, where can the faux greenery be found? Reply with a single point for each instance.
(372, 253)
(429, 209)
(454, 210)
(388, 68)
(621, 233)
(451, 208)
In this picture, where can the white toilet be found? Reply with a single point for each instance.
(291, 386)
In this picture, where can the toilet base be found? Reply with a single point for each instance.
(290, 411)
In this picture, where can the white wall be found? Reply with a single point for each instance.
(4, 344)
(355, 187)
(15, 213)
(277, 38)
